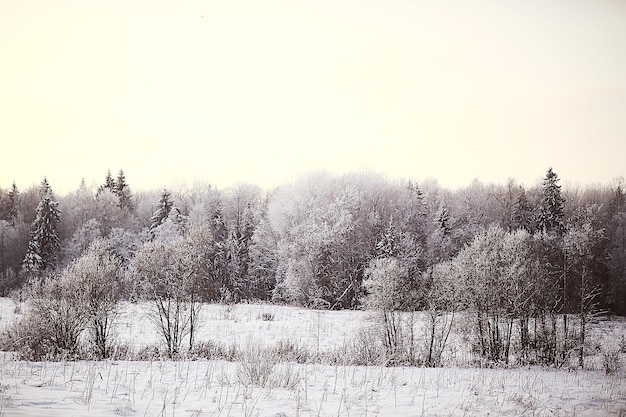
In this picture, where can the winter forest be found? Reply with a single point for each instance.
(515, 259)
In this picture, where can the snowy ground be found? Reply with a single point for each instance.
(219, 388)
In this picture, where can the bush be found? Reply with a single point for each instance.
(150, 353)
(83, 297)
(256, 366)
(364, 350)
(267, 316)
(611, 362)
(213, 350)
(51, 329)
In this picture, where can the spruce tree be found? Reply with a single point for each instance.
(44, 236)
(442, 220)
(522, 212)
(14, 202)
(109, 184)
(387, 246)
(551, 208)
(163, 210)
(122, 190)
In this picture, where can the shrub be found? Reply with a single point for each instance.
(611, 362)
(364, 350)
(150, 353)
(51, 329)
(213, 350)
(256, 365)
(267, 316)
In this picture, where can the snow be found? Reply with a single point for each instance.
(212, 388)
(220, 388)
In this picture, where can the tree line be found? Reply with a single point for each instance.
(517, 258)
(310, 242)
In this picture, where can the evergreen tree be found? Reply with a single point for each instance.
(163, 210)
(109, 184)
(122, 190)
(522, 212)
(4, 205)
(44, 236)
(44, 187)
(442, 220)
(387, 246)
(415, 213)
(9, 204)
(551, 208)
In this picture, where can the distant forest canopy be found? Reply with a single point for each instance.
(317, 242)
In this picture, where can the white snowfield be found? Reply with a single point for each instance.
(221, 388)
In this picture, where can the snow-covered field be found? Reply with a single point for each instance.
(220, 388)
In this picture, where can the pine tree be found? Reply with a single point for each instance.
(163, 210)
(44, 236)
(122, 190)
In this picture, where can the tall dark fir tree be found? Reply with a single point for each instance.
(44, 235)
(551, 208)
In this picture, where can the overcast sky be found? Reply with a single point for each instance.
(263, 91)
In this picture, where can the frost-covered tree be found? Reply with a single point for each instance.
(44, 238)
(125, 243)
(219, 231)
(442, 298)
(172, 277)
(263, 253)
(387, 287)
(9, 243)
(172, 228)
(108, 212)
(387, 246)
(414, 212)
(162, 211)
(122, 190)
(81, 239)
(96, 276)
(552, 206)
(494, 270)
(109, 184)
(442, 220)
(584, 247)
(79, 207)
(440, 241)
(13, 204)
(522, 212)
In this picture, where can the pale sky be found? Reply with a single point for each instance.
(263, 91)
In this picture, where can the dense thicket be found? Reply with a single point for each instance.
(314, 242)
